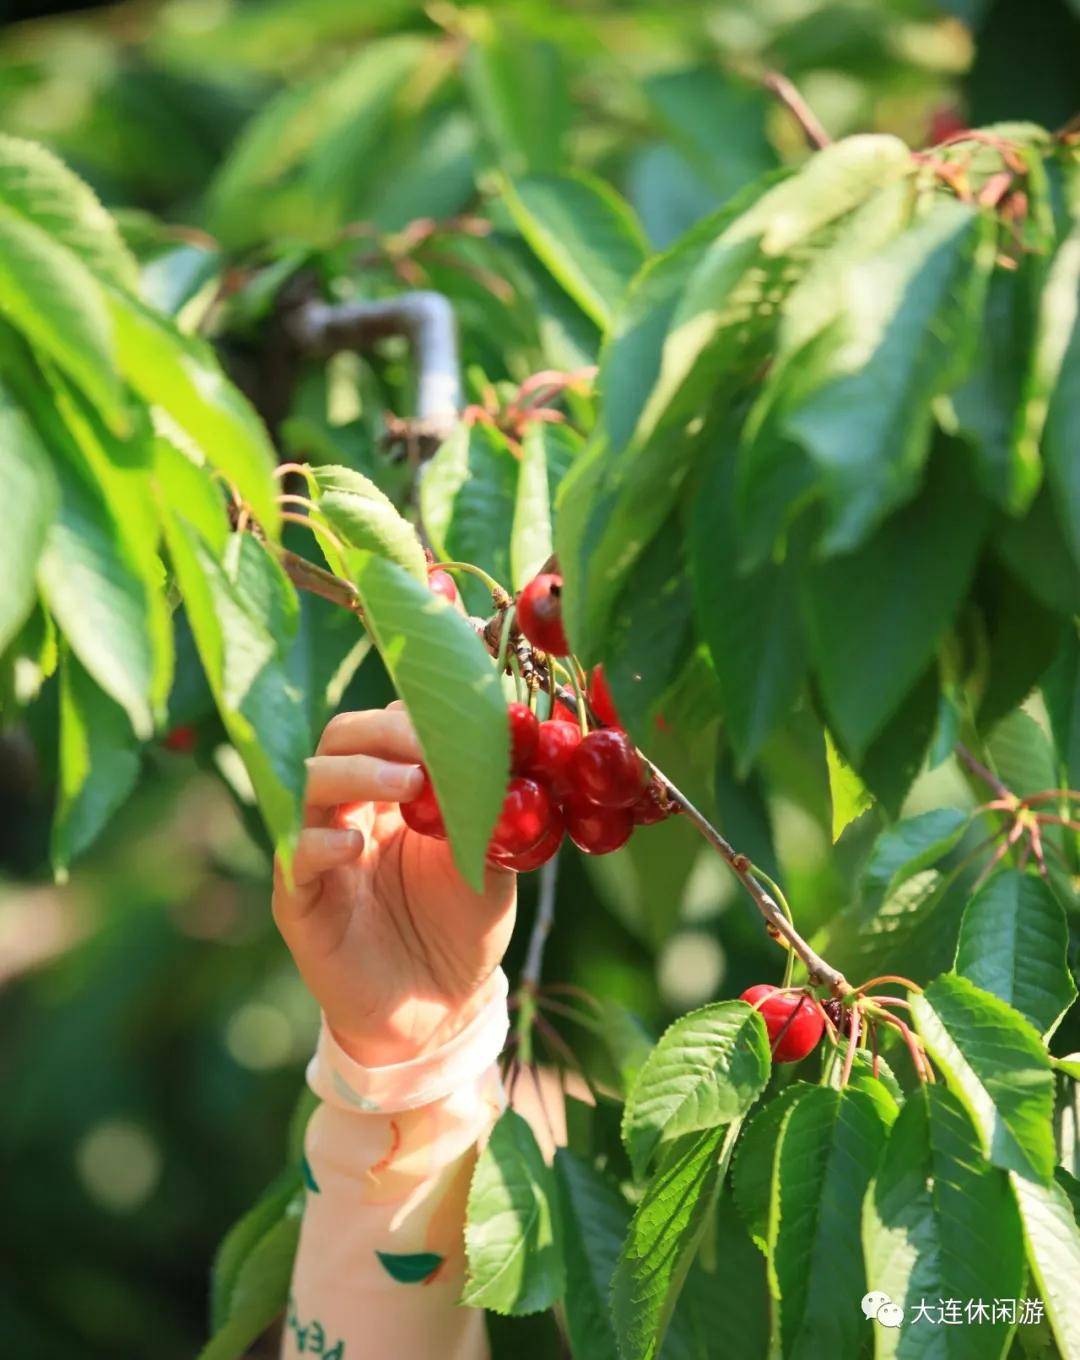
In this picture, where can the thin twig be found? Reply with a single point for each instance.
(987, 776)
(797, 106)
(545, 917)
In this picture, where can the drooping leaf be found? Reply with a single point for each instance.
(995, 1062)
(29, 481)
(828, 1150)
(1059, 355)
(1061, 691)
(362, 516)
(664, 1234)
(547, 452)
(1052, 1238)
(241, 1239)
(705, 1071)
(583, 233)
(594, 1220)
(512, 1232)
(940, 1222)
(98, 763)
(1014, 942)
(752, 1173)
(874, 616)
(448, 682)
(907, 848)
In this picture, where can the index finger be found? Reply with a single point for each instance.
(383, 732)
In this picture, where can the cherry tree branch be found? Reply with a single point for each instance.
(804, 115)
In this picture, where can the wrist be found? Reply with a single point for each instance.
(415, 1037)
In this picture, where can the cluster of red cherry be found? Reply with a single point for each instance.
(591, 786)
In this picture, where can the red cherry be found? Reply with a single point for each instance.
(594, 829)
(422, 813)
(524, 734)
(539, 614)
(556, 743)
(648, 808)
(608, 769)
(600, 700)
(563, 713)
(794, 1023)
(525, 817)
(546, 849)
(442, 583)
(181, 739)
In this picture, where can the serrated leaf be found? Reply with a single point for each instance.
(98, 763)
(907, 848)
(51, 297)
(28, 479)
(874, 617)
(829, 1146)
(467, 495)
(1058, 356)
(512, 1233)
(39, 187)
(995, 1062)
(706, 1070)
(180, 374)
(1014, 942)
(546, 455)
(752, 1172)
(594, 1221)
(448, 682)
(585, 235)
(363, 516)
(664, 1235)
(1053, 1249)
(939, 1222)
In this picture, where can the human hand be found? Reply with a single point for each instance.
(395, 946)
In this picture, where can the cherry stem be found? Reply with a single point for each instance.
(987, 776)
(497, 590)
(888, 977)
(789, 96)
(318, 529)
(853, 1043)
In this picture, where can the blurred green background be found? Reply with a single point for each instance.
(154, 1031)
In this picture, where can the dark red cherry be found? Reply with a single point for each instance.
(608, 769)
(422, 813)
(524, 734)
(545, 849)
(525, 818)
(539, 614)
(596, 830)
(600, 700)
(556, 743)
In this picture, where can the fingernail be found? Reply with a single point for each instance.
(401, 782)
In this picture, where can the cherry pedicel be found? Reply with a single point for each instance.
(524, 735)
(442, 583)
(597, 830)
(556, 743)
(525, 819)
(600, 700)
(546, 849)
(539, 614)
(422, 813)
(794, 1023)
(608, 769)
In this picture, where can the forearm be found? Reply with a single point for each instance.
(390, 1154)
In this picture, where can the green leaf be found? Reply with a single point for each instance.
(38, 187)
(1059, 354)
(512, 1232)
(241, 1239)
(829, 1146)
(752, 1173)
(664, 1235)
(448, 682)
(594, 1222)
(874, 617)
(996, 1063)
(364, 517)
(1014, 942)
(1061, 691)
(180, 374)
(903, 850)
(53, 299)
(30, 484)
(1052, 1239)
(467, 496)
(518, 88)
(706, 1070)
(98, 763)
(939, 1222)
(261, 1287)
(187, 489)
(546, 454)
(584, 234)
(849, 796)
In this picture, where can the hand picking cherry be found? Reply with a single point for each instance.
(597, 830)
(607, 768)
(422, 813)
(524, 735)
(442, 583)
(525, 818)
(539, 614)
(794, 1023)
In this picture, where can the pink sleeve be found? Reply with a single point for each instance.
(389, 1155)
